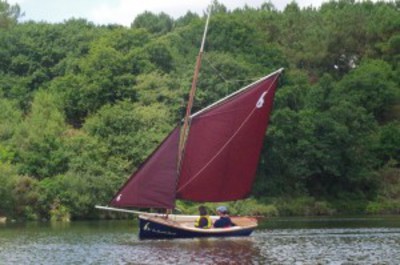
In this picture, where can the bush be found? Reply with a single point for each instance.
(249, 207)
(252, 207)
(25, 196)
(59, 212)
(383, 206)
(304, 206)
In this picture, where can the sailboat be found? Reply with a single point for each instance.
(211, 157)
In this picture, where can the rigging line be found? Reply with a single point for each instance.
(223, 78)
(225, 145)
(215, 69)
(219, 152)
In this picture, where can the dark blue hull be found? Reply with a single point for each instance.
(150, 229)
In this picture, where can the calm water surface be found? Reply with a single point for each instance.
(373, 240)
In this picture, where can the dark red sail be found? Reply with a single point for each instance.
(224, 143)
(153, 184)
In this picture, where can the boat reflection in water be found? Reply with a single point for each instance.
(200, 251)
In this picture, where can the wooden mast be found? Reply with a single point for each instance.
(186, 121)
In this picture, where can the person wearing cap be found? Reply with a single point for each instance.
(204, 220)
(224, 219)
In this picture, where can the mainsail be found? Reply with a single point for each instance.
(224, 144)
(220, 158)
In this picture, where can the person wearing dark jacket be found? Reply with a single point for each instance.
(224, 219)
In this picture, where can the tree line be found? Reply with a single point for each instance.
(82, 105)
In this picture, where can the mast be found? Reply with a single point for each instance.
(186, 121)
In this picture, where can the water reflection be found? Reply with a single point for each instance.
(117, 243)
(197, 251)
(331, 246)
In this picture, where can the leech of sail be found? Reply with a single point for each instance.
(185, 128)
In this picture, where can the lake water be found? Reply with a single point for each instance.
(372, 240)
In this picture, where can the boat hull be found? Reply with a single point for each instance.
(151, 228)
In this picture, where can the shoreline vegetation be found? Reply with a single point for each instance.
(276, 207)
(82, 105)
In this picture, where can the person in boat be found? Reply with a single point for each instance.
(224, 219)
(204, 220)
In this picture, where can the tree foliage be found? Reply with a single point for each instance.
(154, 23)
(9, 14)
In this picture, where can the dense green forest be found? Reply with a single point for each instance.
(82, 105)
